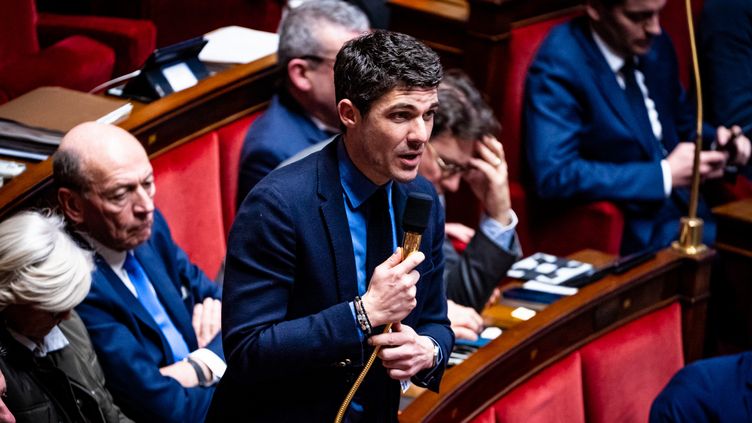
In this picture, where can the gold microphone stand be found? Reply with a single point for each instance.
(690, 230)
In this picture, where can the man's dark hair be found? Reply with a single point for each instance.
(67, 171)
(462, 110)
(371, 65)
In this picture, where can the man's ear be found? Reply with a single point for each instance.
(297, 73)
(71, 203)
(349, 115)
(593, 11)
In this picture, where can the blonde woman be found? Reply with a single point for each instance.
(51, 370)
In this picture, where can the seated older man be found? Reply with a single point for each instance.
(49, 365)
(152, 315)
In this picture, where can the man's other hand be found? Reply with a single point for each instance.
(459, 232)
(207, 320)
(488, 179)
(743, 146)
(466, 322)
(681, 161)
(391, 291)
(404, 353)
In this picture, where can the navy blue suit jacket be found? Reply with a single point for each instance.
(584, 143)
(128, 341)
(283, 130)
(726, 58)
(291, 340)
(713, 390)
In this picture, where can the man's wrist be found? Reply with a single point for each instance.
(431, 351)
(201, 371)
(374, 317)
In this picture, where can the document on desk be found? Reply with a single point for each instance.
(236, 44)
(549, 269)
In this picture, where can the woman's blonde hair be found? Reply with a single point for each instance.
(40, 264)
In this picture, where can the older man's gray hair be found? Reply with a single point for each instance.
(300, 29)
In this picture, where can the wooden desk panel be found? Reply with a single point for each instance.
(731, 317)
(735, 227)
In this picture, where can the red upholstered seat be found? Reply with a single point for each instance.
(674, 22)
(189, 195)
(624, 370)
(561, 229)
(552, 396)
(77, 52)
(614, 378)
(231, 139)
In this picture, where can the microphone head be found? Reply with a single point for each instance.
(417, 211)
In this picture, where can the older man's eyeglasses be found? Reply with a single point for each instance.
(448, 168)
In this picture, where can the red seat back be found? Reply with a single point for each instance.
(614, 378)
(554, 395)
(674, 22)
(231, 139)
(523, 45)
(624, 370)
(189, 195)
(18, 30)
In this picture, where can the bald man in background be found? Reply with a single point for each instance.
(152, 315)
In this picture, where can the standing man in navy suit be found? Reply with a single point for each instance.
(305, 298)
(606, 119)
(303, 112)
(152, 315)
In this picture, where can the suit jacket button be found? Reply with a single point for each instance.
(341, 364)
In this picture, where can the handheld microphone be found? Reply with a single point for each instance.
(414, 221)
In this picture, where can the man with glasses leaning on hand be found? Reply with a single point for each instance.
(304, 111)
(463, 147)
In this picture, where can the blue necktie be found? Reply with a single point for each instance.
(151, 303)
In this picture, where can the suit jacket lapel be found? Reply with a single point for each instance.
(168, 295)
(609, 86)
(131, 303)
(335, 219)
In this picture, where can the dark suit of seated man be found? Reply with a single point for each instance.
(152, 315)
(713, 390)
(605, 117)
(310, 278)
(303, 111)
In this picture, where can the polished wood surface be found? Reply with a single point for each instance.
(165, 123)
(566, 325)
(735, 227)
(731, 319)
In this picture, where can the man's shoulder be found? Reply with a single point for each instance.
(295, 180)
(564, 34)
(278, 120)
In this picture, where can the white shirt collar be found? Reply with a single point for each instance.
(114, 258)
(322, 126)
(614, 60)
(53, 341)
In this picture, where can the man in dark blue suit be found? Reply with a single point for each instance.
(713, 390)
(152, 315)
(304, 111)
(725, 43)
(305, 295)
(605, 117)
